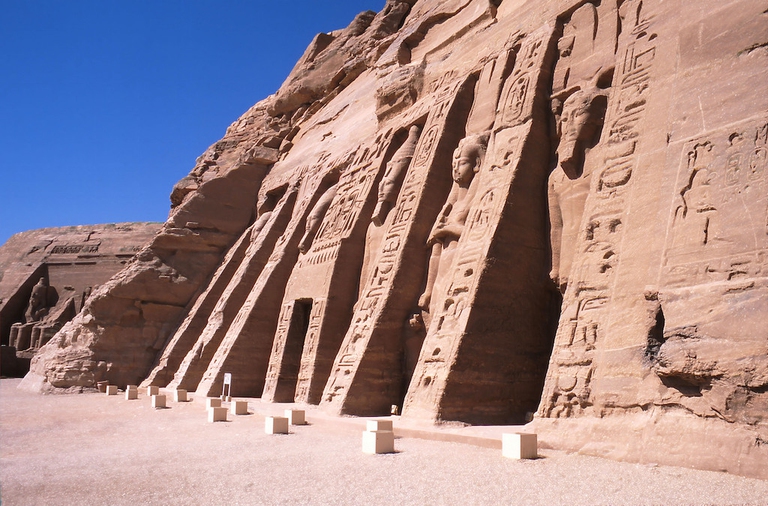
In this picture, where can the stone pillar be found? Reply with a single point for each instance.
(260, 241)
(245, 348)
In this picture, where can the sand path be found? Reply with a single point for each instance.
(95, 449)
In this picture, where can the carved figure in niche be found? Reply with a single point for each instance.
(260, 223)
(389, 188)
(582, 76)
(39, 303)
(448, 227)
(581, 119)
(580, 124)
(264, 211)
(315, 219)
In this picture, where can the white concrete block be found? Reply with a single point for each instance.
(153, 390)
(276, 425)
(382, 441)
(239, 407)
(180, 396)
(519, 446)
(226, 398)
(158, 401)
(296, 416)
(217, 414)
(212, 402)
(111, 389)
(378, 425)
(131, 393)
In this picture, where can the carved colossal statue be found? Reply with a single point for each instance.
(38, 305)
(389, 188)
(446, 231)
(315, 219)
(579, 125)
(393, 177)
(42, 317)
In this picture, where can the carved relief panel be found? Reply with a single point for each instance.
(718, 228)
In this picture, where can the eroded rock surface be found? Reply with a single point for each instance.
(478, 211)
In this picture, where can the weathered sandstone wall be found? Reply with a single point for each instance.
(479, 211)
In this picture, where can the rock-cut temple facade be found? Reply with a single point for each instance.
(478, 211)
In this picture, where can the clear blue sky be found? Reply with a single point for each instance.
(105, 104)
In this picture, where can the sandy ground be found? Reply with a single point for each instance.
(98, 449)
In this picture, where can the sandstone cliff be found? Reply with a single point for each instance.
(476, 211)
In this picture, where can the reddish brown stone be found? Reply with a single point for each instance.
(478, 211)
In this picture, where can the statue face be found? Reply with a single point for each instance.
(464, 169)
(35, 299)
(578, 125)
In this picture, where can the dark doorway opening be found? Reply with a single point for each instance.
(294, 346)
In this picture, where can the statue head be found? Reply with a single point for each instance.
(404, 154)
(580, 122)
(468, 157)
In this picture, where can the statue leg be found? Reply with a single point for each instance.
(434, 266)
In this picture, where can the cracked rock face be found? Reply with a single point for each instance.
(479, 212)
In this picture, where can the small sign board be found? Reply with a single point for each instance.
(227, 378)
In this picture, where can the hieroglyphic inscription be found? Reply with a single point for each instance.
(378, 286)
(717, 227)
(517, 95)
(589, 292)
(278, 345)
(353, 189)
(494, 180)
(627, 107)
(343, 216)
(73, 249)
(424, 106)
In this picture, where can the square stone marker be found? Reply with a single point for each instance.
(212, 402)
(378, 425)
(153, 390)
(111, 389)
(180, 396)
(295, 416)
(217, 414)
(276, 425)
(131, 393)
(158, 401)
(239, 407)
(519, 446)
(382, 441)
